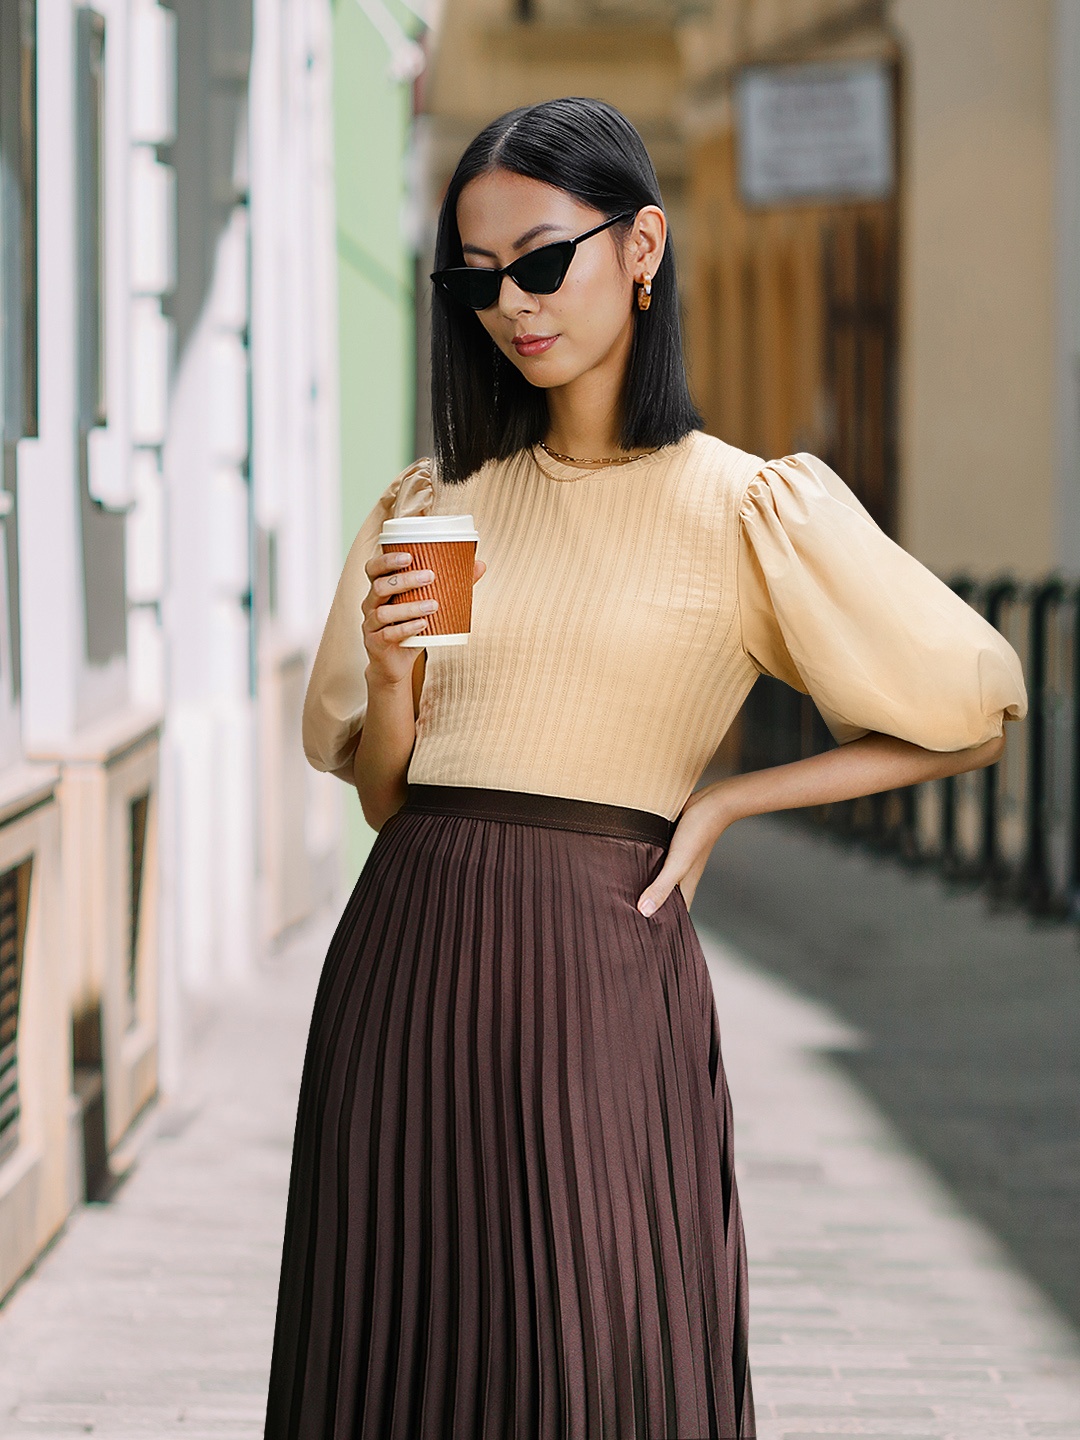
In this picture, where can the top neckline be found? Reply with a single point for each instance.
(558, 471)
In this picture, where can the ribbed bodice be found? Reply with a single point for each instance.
(600, 665)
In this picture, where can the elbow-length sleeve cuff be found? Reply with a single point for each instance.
(834, 607)
(336, 700)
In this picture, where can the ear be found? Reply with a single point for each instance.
(645, 247)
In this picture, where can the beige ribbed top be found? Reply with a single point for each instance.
(626, 612)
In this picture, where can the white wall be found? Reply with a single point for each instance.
(250, 477)
(295, 433)
(1067, 128)
(978, 319)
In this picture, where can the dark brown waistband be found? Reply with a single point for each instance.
(557, 812)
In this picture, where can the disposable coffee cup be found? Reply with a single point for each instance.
(445, 544)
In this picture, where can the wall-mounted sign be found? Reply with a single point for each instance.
(815, 132)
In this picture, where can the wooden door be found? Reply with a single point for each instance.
(859, 362)
(792, 328)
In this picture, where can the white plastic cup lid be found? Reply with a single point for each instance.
(427, 527)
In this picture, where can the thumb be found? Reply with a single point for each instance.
(651, 898)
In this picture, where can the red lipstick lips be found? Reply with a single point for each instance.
(533, 344)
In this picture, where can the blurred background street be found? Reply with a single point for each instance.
(216, 222)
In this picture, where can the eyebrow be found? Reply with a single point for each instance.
(517, 245)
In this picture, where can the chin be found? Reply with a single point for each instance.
(545, 372)
(542, 376)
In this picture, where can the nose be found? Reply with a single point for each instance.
(513, 301)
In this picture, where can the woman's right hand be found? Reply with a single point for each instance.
(386, 624)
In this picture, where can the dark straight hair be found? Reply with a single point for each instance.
(482, 407)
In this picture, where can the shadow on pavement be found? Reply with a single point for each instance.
(971, 1020)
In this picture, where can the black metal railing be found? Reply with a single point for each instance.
(1013, 828)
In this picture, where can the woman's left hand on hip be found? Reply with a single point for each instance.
(695, 835)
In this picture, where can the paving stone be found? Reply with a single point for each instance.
(856, 1411)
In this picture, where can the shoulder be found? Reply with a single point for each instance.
(804, 488)
(727, 467)
(493, 474)
(793, 490)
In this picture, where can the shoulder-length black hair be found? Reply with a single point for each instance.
(482, 407)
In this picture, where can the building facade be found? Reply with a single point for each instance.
(918, 325)
(379, 59)
(930, 311)
(170, 515)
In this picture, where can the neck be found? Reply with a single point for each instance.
(581, 431)
(585, 416)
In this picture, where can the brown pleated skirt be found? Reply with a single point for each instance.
(512, 1212)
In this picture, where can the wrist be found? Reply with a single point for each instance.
(720, 802)
(379, 682)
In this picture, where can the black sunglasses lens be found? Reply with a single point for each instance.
(471, 286)
(542, 271)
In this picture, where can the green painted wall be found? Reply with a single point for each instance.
(375, 288)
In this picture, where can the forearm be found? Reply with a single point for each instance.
(381, 761)
(862, 767)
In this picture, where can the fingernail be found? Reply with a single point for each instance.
(399, 559)
(431, 605)
(647, 907)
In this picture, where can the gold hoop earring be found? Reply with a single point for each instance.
(644, 293)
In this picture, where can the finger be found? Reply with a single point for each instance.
(406, 610)
(382, 564)
(654, 895)
(478, 569)
(400, 583)
(394, 634)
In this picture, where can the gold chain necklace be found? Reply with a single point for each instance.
(610, 460)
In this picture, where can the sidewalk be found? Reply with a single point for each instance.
(877, 1307)
(153, 1315)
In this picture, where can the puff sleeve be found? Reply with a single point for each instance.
(336, 699)
(831, 605)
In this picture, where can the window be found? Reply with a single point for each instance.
(138, 812)
(104, 563)
(18, 320)
(18, 219)
(91, 133)
(14, 898)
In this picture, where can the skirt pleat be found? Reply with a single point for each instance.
(512, 1210)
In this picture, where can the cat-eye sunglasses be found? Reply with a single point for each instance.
(539, 272)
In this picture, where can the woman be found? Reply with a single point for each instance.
(513, 1210)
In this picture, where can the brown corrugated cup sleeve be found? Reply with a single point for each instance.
(453, 563)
